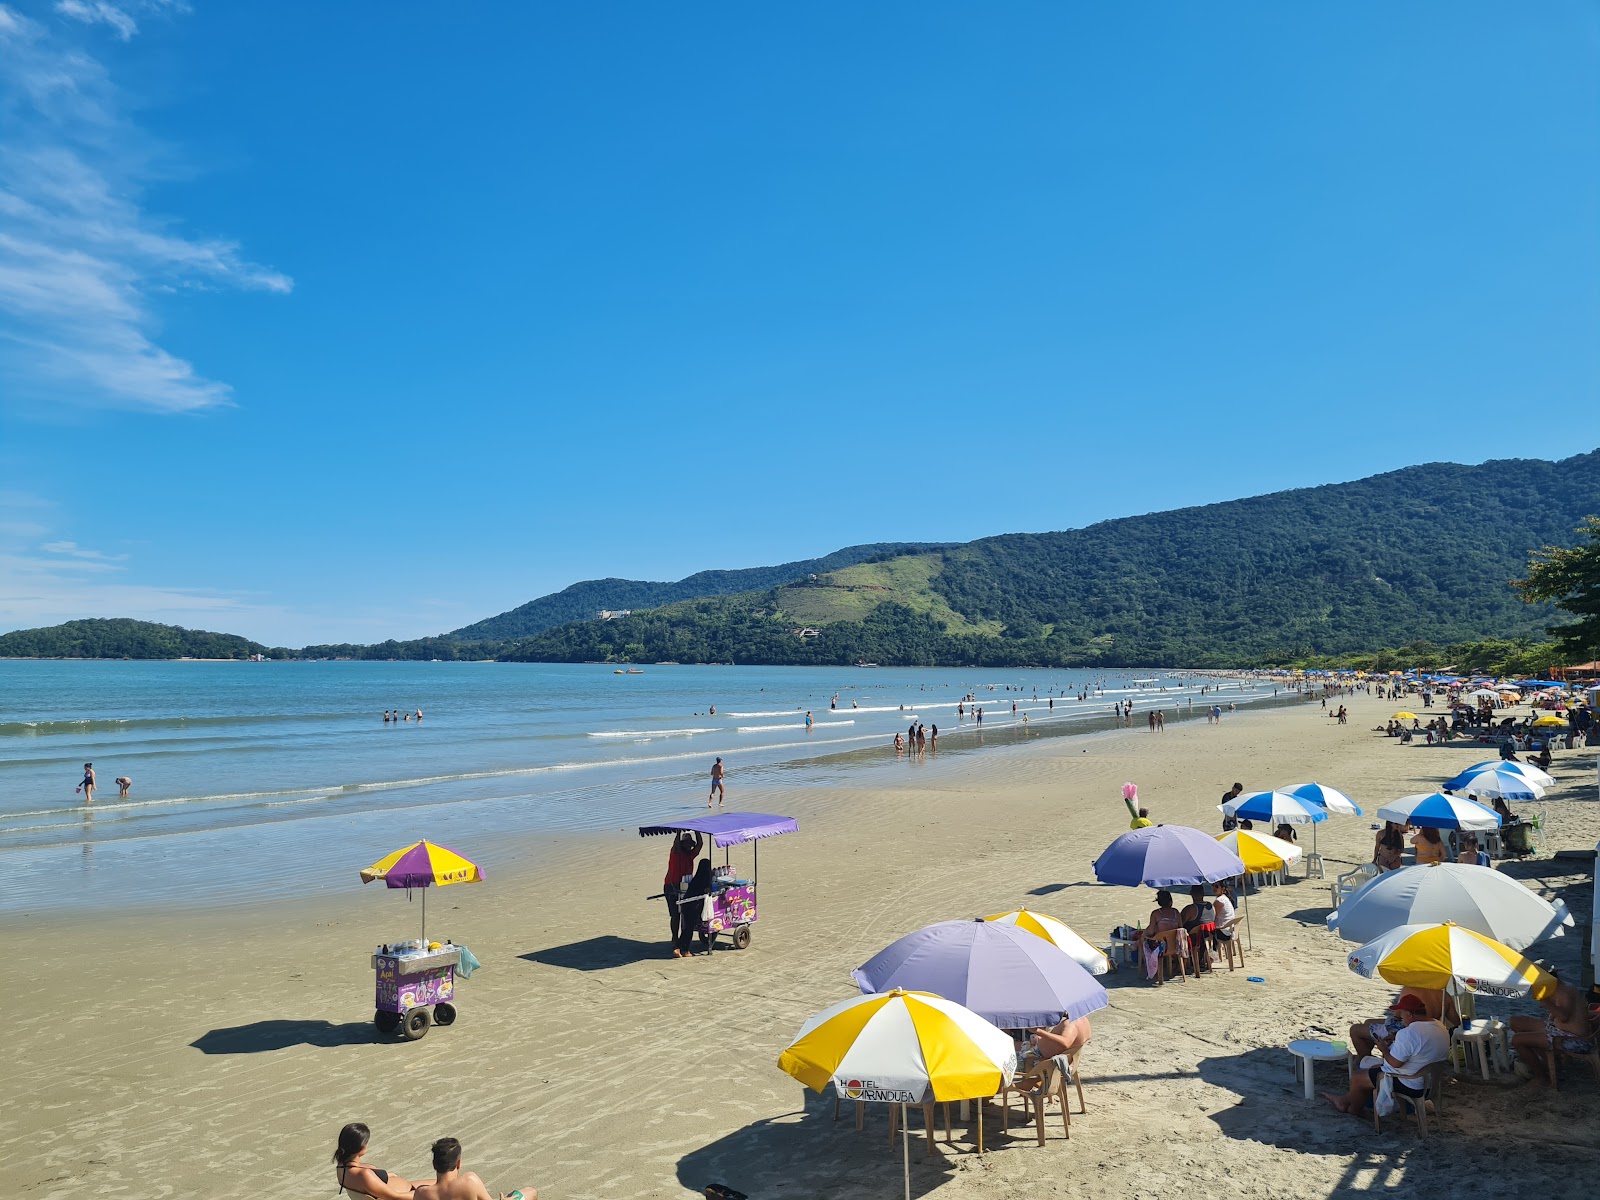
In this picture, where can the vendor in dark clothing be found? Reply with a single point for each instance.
(692, 916)
(680, 865)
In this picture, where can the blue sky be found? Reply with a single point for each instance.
(340, 322)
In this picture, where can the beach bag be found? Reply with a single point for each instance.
(1383, 1101)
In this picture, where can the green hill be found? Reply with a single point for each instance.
(582, 601)
(120, 637)
(1423, 553)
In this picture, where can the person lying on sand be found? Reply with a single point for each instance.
(1420, 1042)
(355, 1176)
(450, 1182)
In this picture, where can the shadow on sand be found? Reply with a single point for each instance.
(599, 953)
(261, 1036)
(808, 1153)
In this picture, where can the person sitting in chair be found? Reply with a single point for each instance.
(1365, 1034)
(1420, 1042)
(1200, 922)
(1567, 1026)
(1161, 934)
(1065, 1037)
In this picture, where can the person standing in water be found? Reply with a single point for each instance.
(123, 783)
(718, 792)
(808, 720)
(88, 784)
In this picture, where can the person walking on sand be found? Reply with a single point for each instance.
(718, 792)
(450, 1182)
(88, 784)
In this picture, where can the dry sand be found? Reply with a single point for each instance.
(217, 1053)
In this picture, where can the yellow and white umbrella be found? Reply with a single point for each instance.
(1090, 958)
(901, 1048)
(1550, 721)
(1449, 957)
(1260, 852)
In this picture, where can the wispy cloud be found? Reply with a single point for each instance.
(80, 260)
(47, 582)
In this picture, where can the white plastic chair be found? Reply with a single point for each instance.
(1348, 884)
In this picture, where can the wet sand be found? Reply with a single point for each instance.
(218, 1052)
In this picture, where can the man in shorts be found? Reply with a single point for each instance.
(717, 791)
(1420, 1042)
(450, 1182)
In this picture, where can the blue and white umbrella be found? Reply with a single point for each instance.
(1326, 798)
(1503, 785)
(1276, 808)
(1434, 810)
(1526, 770)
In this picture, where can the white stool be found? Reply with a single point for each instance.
(1484, 1037)
(1314, 863)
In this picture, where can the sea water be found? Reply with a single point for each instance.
(254, 779)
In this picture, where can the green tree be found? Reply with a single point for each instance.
(1569, 578)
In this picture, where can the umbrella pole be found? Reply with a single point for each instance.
(424, 914)
(1249, 936)
(905, 1145)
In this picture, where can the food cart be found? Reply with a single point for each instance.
(731, 907)
(416, 979)
(416, 987)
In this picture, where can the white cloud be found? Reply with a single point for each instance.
(91, 12)
(80, 260)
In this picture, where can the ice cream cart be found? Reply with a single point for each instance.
(416, 987)
(730, 909)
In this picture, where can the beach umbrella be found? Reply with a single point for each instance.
(1434, 810)
(1091, 958)
(1404, 716)
(1526, 770)
(1506, 785)
(1010, 977)
(901, 1048)
(1550, 721)
(1449, 957)
(1165, 856)
(1260, 852)
(1481, 899)
(1277, 808)
(1327, 798)
(423, 865)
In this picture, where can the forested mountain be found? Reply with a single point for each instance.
(120, 637)
(582, 601)
(1423, 553)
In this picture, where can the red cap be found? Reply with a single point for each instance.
(1409, 1003)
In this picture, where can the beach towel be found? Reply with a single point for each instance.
(1383, 1101)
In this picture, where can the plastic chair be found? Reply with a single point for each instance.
(927, 1123)
(1346, 885)
(1433, 1077)
(1230, 945)
(1553, 1056)
(1043, 1083)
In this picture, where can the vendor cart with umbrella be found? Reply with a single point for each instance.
(730, 908)
(416, 979)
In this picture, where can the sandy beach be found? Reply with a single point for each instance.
(218, 1052)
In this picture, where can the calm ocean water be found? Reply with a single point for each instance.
(278, 778)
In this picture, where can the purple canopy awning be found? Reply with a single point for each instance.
(1166, 856)
(727, 829)
(1008, 976)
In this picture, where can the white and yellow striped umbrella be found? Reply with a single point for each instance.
(1058, 934)
(1260, 852)
(1449, 956)
(902, 1048)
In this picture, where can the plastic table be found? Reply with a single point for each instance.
(1310, 1051)
(1483, 1037)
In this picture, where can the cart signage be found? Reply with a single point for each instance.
(866, 1089)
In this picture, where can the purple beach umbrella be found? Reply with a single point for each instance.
(1008, 976)
(1166, 856)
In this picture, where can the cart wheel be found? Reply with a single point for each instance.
(416, 1023)
(741, 936)
(387, 1022)
(444, 1014)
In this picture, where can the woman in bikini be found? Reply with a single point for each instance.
(359, 1179)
